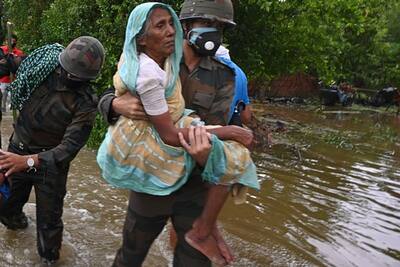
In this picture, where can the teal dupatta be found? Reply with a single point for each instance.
(130, 67)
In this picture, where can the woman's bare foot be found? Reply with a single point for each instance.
(223, 247)
(208, 246)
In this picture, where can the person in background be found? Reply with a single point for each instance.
(57, 108)
(5, 80)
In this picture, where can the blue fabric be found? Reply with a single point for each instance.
(130, 67)
(240, 85)
(5, 190)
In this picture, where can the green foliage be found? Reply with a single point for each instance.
(79, 18)
(357, 41)
(384, 133)
(98, 132)
(27, 17)
(334, 40)
(338, 139)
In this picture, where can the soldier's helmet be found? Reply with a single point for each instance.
(220, 10)
(83, 58)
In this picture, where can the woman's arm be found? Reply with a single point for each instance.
(169, 133)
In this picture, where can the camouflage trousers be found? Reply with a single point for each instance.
(148, 214)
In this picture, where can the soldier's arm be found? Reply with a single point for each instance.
(111, 107)
(105, 106)
(75, 136)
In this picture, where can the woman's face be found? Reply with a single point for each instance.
(159, 41)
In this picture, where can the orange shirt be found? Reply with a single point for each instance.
(16, 52)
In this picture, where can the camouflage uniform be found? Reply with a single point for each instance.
(55, 123)
(208, 90)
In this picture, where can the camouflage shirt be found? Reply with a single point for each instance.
(56, 121)
(208, 90)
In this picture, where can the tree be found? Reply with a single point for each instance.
(352, 40)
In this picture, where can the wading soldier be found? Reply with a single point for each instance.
(57, 110)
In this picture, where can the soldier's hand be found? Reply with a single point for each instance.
(129, 106)
(12, 162)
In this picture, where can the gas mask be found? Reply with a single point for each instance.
(205, 41)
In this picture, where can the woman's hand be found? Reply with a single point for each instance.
(199, 145)
(129, 106)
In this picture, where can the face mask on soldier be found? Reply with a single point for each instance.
(205, 40)
(69, 81)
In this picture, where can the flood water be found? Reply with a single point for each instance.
(330, 197)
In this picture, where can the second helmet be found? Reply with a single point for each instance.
(83, 57)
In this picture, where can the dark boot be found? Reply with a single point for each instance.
(15, 222)
(48, 262)
(50, 257)
(49, 242)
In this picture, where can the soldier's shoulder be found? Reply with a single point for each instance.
(88, 94)
(92, 94)
(216, 61)
(222, 68)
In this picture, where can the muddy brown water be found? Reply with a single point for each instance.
(330, 197)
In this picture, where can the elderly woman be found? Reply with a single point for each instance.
(145, 156)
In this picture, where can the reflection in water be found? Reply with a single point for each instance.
(330, 197)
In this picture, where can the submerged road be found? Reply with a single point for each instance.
(330, 197)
